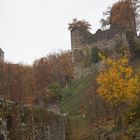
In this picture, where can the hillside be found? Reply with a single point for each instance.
(90, 116)
(84, 107)
(72, 103)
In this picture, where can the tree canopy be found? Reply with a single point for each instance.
(123, 14)
(117, 83)
(79, 24)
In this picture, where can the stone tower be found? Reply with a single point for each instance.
(1, 55)
(85, 47)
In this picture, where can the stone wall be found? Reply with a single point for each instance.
(1, 55)
(20, 122)
(82, 42)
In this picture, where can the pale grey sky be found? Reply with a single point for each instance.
(30, 29)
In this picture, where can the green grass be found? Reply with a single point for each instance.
(78, 122)
(72, 96)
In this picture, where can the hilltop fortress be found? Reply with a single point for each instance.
(86, 46)
(120, 38)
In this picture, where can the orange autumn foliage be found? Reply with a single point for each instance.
(123, 14)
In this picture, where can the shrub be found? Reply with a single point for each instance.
(56, 91)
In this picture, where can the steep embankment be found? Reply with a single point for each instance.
(85, 108)
(72, 101)
(90, 116)
(72, 96)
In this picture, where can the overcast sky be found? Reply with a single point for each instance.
(30, 29)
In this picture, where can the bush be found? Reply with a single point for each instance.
(56, 91)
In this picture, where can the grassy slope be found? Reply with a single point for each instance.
(79, 102)
(72, 96)
(71, 103)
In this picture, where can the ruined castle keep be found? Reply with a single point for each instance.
(120, 38)
(86, 46)
(21, 122)
(1, 55)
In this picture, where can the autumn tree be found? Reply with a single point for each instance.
(82, 24)
(19, 82)
(55, 68)
(41, 74)
(123, 14)
(16, 82)
(23, 83)
(117, 83)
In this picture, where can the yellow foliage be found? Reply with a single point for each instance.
(117, 83)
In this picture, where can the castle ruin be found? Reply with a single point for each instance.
(120, 38)
(86, 46)
(1, 55)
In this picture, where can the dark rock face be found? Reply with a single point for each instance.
(20, 122)
(1, 137)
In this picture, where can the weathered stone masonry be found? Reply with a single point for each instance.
(82, 43)
(20, 122)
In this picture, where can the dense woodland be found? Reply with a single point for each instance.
(22, 83)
